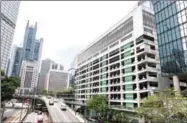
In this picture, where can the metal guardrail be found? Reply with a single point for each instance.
(110, 106)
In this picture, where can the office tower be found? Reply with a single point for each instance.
(38, 49)
(15, 61)
(31, 46)
(29, 76)
(171, 24)
(45, 67)
(72, 73)
(122, 63)
(9, 13)
(31, 50)
(56, 79)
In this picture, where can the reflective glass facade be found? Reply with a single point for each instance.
(171, 24)
(9, 13)
(29, 42)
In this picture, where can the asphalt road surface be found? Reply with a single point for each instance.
(58, 115)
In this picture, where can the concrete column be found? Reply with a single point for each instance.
(176, 83)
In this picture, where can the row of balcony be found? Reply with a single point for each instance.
(117, 81)
(139, 59)
(141, 68)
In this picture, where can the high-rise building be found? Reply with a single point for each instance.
(171, 24)
(29, 76)
(31, 50)
(9, 13)
(122, 63)
(56, 78)
(52, 76)
(31, 46)
(72, 73)
(45, 67)
(15, 61)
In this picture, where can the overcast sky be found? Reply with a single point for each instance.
(69, 26)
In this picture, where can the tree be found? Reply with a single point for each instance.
(164, 106)
(119, 117)
(2, 73)
(66, 91)
(44, 92)
(8, 87)
(184, 93)
(98, 103)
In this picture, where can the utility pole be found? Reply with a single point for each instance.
(34, 98)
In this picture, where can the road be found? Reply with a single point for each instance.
(58, 115)
(9, 112)
(32, 118)
(15, 116)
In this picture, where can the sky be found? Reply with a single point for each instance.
(67, 27)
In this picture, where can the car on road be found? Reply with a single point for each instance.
(55, 100)
(63, 107)
(39, 112)
(40, 118)
(51, 102)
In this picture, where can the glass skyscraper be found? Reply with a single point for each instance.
(31, 50)
(9, 13)
(31, 46)
(15, 61)
(72, 72)
(171, 23)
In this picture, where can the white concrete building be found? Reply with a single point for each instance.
(122, 63)
(9, 13)
(56, 79)
(29, 76)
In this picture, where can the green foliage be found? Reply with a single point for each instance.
(8, 87)
(2, 73)
(44, 92)
(99, 103)
(184, 93)
(163, 107)
(66, 91)
(119, 117)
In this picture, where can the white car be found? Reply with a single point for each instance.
(51, 102)
(55, 100)
(63, 107)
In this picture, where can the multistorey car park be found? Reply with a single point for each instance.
(123, 63)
